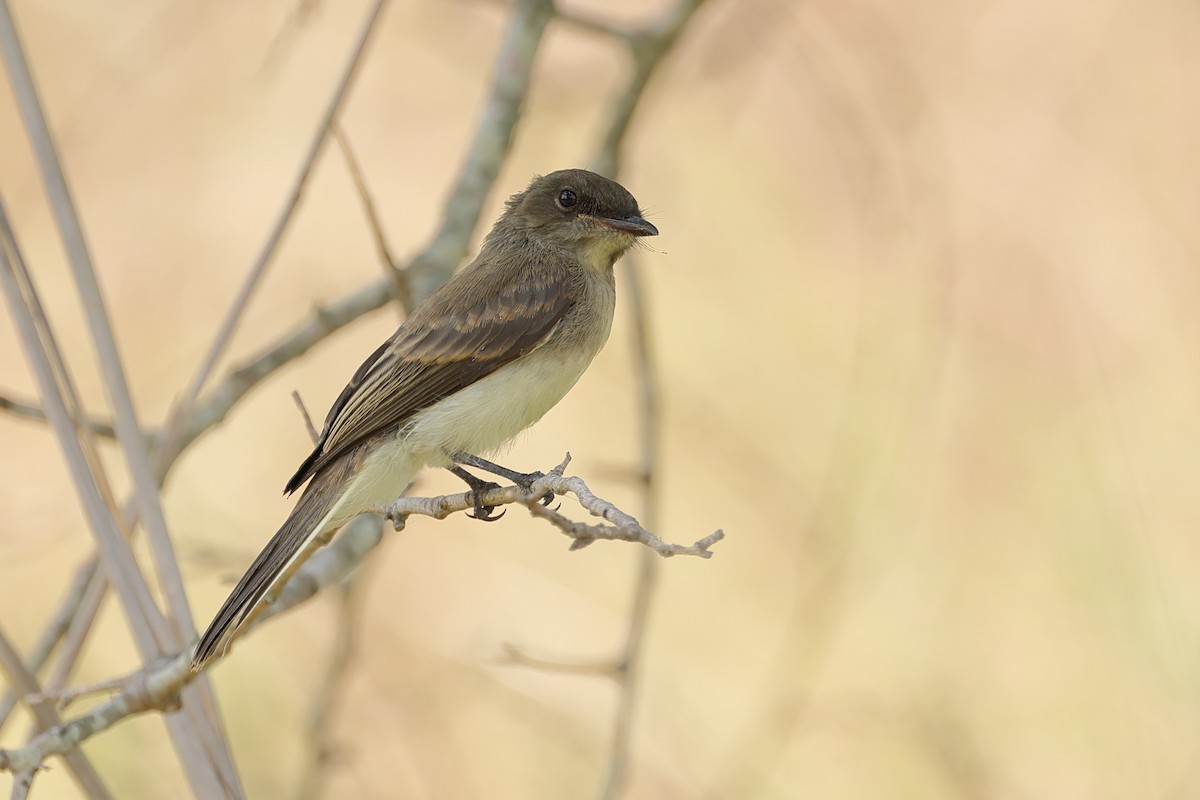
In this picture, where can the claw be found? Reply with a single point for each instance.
(484, 513)
(480, 511)
(478, 487)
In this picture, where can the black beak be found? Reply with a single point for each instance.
(635, 225)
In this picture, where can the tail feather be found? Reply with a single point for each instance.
(311, 517)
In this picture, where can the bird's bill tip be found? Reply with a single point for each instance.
(635, 225)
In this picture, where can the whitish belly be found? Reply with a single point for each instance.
(489, 413)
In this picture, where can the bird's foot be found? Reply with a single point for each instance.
(478, 487)
(523, 479)
(527, 479)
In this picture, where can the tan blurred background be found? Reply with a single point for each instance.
(925, 314)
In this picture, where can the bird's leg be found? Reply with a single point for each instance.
(478, 487)
(523, 479)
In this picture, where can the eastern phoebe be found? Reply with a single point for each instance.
(479, 361)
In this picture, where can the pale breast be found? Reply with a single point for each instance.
(489, 413)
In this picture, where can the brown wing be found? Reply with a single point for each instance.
(481, 320)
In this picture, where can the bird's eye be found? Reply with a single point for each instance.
(567, 198)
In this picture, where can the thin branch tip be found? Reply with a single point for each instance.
(621, 525)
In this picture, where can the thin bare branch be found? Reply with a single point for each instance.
(622, 526)
(390, 264)
(61, 698)
(24, 682)
(24, 410)
(308, 423)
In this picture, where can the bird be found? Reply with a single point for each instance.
(476, 363)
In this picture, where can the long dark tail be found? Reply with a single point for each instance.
(308, 519)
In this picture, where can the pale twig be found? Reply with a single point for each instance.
(486, 153)
(308, 423)
(390, 264)
(61, 698)
(23, 681)
(23, 410)
(622, 526)
(78, 629)
(626, 530)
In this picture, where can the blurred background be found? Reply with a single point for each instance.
(923, 310)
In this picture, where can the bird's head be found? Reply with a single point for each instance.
(582, 212)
